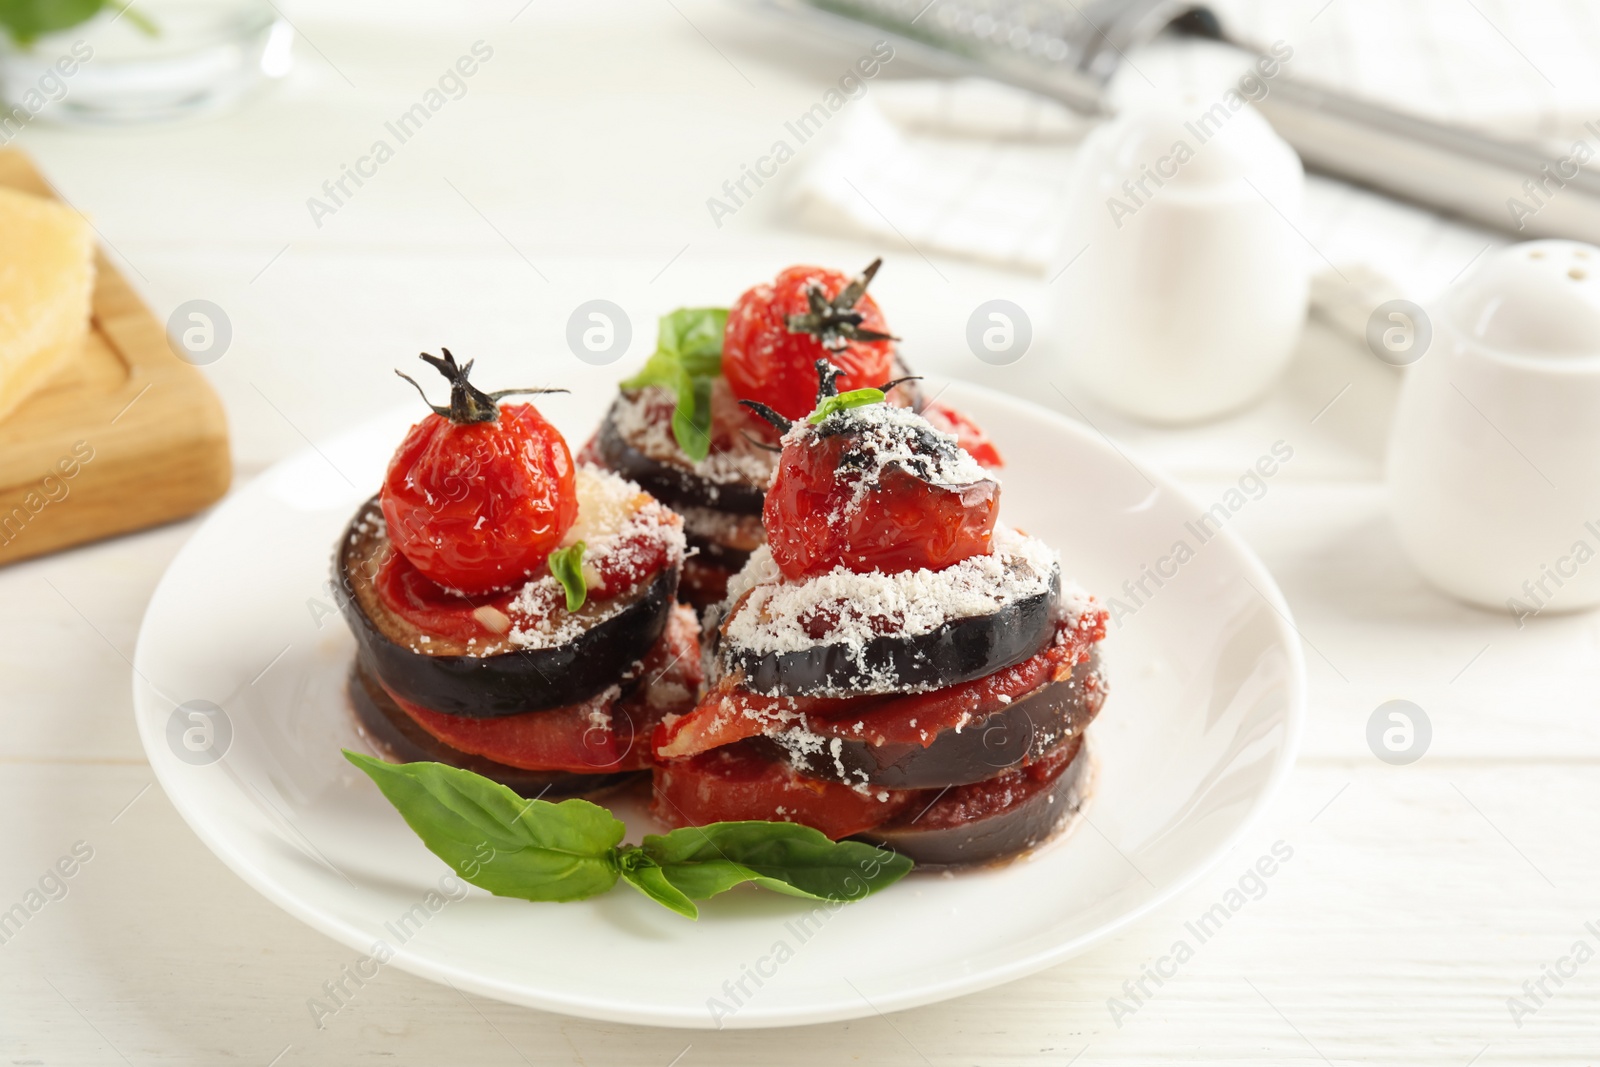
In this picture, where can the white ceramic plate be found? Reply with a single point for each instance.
(1207, 697)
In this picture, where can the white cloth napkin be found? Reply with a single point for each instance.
(995, 199)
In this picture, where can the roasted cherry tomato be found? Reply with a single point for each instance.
(836, 500)
(968, 434)
(478, 495)
(777, 332)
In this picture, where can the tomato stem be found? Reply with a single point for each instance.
(892, 382)
(827, 380)
(776, 421)
(835, 323)
(468, 403)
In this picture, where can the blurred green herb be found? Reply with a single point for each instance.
(28, 20)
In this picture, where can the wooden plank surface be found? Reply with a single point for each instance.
(1416, 904)
(141, 433)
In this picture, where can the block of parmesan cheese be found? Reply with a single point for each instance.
(46, 280)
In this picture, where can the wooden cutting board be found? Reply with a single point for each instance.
(125, 436)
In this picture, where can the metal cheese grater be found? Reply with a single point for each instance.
(1069, 51)
(1055, 47)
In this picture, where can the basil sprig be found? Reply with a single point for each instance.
(566, 567)
(855, 398)
(687, 359)
(538, 850)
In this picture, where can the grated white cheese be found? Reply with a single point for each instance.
(599, 713)
(643, 419)
(884, 436)
(1076, 601)
(759, 570)
(667, 695)
(605, 502)
(614, 515)
(774, 617)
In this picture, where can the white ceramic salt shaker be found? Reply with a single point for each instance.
(1494, 457)
(1183, 282)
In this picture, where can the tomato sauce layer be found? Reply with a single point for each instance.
(605, 734)
(741, 782)
(728, 713)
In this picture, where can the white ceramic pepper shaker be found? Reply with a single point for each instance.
(1494, 457)
(1183, 282)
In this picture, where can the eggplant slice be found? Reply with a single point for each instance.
(695, 496)
(720, 544)
(935, 844)
(400, 738)
(958, 651)
(670, 483)
(707, 570)
(1021, 732)
(508, 682)
(704, 583)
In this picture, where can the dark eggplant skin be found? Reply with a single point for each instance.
(704, 584)
(403, 741)
(671, 484)
(510, 683)
(959, 651)
(1024, 730)
(727, 557)
(999, 837)
(706, 572)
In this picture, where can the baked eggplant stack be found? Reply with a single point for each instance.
(894, 664)
(514, 614)
(679, 427)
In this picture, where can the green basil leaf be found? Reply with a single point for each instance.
(566, 566)
(497, 840)
(691, 420)
(641, 872)
(687, 359)
(28, 20)
(703, 861)
(688, 341)
(695, 334)
(662, 368)
(855, 398)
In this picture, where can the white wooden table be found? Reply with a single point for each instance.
(1418, 900)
